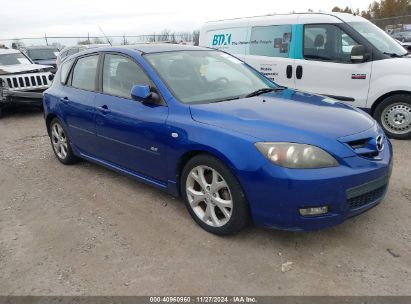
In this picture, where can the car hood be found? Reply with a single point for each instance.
(287, 115)
(22, 68)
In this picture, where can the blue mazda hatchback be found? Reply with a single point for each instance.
(201, 124)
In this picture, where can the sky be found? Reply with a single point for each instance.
(34, 18)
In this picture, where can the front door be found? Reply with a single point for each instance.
(325, 66)
(130, 134)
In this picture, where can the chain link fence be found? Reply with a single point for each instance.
(394, 24)
(63, 41)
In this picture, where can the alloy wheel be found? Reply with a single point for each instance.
(209, 196)
(59, 140)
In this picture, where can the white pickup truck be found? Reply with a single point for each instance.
(21, 81)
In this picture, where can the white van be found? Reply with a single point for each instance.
(342, 56)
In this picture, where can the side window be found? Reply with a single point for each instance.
(327, 42)
(64, 70)
(84, 73)
(271, 41)
(120, 74)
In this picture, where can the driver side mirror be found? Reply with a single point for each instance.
(358, 54)
(141, 93)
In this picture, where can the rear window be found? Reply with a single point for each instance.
(43, 54)
(85, 73)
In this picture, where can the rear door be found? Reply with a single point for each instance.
(325, 65)
(130, 134)
(77, 102)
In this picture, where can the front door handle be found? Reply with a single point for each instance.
(299, 72)
(64, 99)
(104, 109)
(289, 71)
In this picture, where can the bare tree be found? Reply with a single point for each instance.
(185, 36)
(164, 35)
(196, 37)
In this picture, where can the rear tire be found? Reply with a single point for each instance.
(394, 115)
(213, 196)
(60, 143)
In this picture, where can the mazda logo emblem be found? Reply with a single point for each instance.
(380, 143)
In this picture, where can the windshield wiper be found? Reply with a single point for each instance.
(263, 91)
(226, 99)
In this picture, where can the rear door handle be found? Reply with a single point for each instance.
(289, 71)
(64, 99)
(299, 72)
(104, 109)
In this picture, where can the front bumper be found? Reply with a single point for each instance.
(276, 194)
(20, 97)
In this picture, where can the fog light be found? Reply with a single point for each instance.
(313, 211)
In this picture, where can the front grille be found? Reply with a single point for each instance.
(368, 193)
(367, 198)
(364, 147)
(359, 143)
(27, 81)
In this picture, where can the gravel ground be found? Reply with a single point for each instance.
(84, 230)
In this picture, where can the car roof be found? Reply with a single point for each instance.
(85, 46)
(143, 48)
(9, 51)
(147, 48)
(308, 17)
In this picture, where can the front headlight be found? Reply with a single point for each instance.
(296, 156)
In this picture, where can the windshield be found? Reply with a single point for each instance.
(13, 59)
(206, 76)
(42, 54)
(376, 36)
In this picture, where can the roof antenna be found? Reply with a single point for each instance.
(108, 40)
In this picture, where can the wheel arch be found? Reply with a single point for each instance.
(49, 119)
(380, 99)
(186, 157)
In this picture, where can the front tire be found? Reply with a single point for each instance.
(394, 115)
(213, 196)
(61, 143)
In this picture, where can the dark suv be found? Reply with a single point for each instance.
(44, 55)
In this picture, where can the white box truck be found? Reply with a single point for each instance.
(342, 56)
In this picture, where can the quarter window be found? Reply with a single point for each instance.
(64, 70)
(271, 41)
(84, 73)
(327, 42)
(120, 74)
